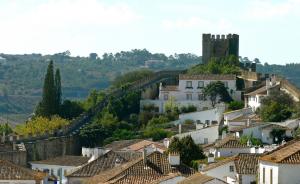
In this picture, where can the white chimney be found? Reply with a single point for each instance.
(3, 137)
(174, 158)
(224, 134)
(166, 142)
(211, 158)
(145, 155)
(179, 128)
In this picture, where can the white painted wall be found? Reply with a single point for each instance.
(254, 101)
(227, 152)
(289, 173)
(268, 166)
(55, 168)
(211, 133)
(215, 114)
(222, 172)
(235, 114)
(173, 180)
(89, 152)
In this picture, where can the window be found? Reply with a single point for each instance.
(189, 84)
(205, 140)
(231, 168)
(166, 96)
(200, 84)
(271, 176)
(264, 175)
(201, 97)
(189, 96)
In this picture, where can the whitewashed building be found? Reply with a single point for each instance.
(230, 146)
(189, 91)
(238, 169)
(205, 135)
(281, 165)
(60, 166)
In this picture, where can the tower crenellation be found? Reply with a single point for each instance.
(219, 46)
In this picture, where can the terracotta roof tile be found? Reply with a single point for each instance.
(137, 172)
(288, 153)
(104, 162)
(10, 171)
(118, 145)
(216, 77)
(247, 163)
(199, 178)
(230, 142)
(67, 160)
(169, 88)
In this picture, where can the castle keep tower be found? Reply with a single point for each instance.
(219, 46)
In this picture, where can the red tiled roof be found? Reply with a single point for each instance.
(246, 163)
(67, 160)
(139, 172)
(199, 178)
(104, 162)
(230, 142)
(288, 153)
(216, 77)
(10, 171)
(169, 88)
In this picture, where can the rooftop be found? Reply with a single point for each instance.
(230, 142)
(169, 88)
(259, 91)
(216, 77)
(104, 162)
(66, 160)
(138, 171)
(288, 153)
(245, 163)
(199, 178)
(118, 145)
(10, 171)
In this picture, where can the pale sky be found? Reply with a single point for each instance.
(269, 30)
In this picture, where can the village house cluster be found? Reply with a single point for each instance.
(214, 128)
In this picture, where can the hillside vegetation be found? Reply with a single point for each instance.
(22, 76)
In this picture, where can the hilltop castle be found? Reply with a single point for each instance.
(219, 46)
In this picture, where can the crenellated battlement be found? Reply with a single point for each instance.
(219, 46)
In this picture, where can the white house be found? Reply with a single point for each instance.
(230, 146)
(205, 135)
(203, 118)
(60, 166)
(189, 91)
(263, 131)
(238, 169)
(281, 165)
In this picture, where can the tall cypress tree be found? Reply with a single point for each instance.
(46, 107)
(57, 84)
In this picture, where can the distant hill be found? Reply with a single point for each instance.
(289, 71)
(21, 76)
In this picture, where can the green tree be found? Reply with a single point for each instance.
(57, 85)
(275, 112)
(47, 105)
(187, 148)
(217, 90)
(70, 109)
(235, 105)
(5, 128)
(278, 135)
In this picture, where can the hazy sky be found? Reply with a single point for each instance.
(269, 30)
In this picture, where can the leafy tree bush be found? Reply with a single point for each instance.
(188, 150)
(226, 65)
(278, 135)
(254, 141)
(5, 128)
(187, 109)
(131, 77)
(156, 133)
(70, 109)
(41, 125)
(275, 112)
(235, 105)
(216, 90)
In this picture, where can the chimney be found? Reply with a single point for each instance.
(166, 142)
(249, 144)
(179, 128)
(3, 137)
(248, 122)
(174, 158)
(14, 146)
(223, 134)
(145, 155)
(211, 158)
